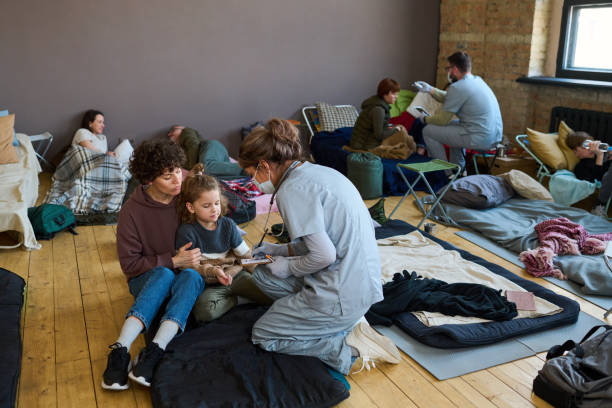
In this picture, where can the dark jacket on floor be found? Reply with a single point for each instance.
(411, 293)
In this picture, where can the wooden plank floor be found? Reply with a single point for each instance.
(76, 299)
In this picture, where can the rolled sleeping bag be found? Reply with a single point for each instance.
(365, 170)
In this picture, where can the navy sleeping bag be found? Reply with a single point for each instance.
(11, 301)
(466, 335)
(216, 365)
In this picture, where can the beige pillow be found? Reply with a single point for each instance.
(526, 186)
(8, 154)
(545, 147)
(570, 157)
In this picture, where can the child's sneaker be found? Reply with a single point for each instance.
(115, 376)
(145, 364)
(372, 347)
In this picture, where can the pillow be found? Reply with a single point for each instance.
(545, 147)
(15, 141)
(8, 154)
(426, 101)
(404, 98)
(526, 186)
(478, 191)
(377, 212)
(333, 117)
(570, 157)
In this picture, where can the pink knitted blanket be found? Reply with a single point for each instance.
(559, 236)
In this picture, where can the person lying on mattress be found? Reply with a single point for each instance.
(372, 131)
(155, 271)
(592, 166)
(326, 279)
(90, 136)
(201, 207)
(211, 153)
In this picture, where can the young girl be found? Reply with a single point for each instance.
(201, 207)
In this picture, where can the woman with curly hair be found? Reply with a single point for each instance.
(154, 270)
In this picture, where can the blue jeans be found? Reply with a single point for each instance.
(153, 287)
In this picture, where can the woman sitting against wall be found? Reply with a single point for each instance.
(374, 133)
(90, 136)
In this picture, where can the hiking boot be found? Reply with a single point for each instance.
(115, 376)
(372, 347)
(145, 364)
(600, 211)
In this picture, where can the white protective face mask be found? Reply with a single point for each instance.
(266, 187)
(450, 79)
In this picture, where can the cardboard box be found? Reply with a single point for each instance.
(526, 164)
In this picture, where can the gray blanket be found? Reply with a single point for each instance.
(511, 225)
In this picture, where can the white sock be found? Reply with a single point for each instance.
(130, 330)
(166, 332)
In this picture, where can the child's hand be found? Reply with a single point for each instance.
(222, 277)
(187, 258)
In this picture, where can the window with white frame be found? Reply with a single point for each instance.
(585, 42)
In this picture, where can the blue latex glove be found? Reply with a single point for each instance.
(271, 249)
(280, 267)
(422, 86)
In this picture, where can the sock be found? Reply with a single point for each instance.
(167, 331)
(130, 330)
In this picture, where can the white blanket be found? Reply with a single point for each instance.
(18, 191)
(414, 252)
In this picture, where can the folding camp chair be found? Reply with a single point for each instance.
(421, 169)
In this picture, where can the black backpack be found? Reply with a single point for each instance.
(580, 378)
(49, 219)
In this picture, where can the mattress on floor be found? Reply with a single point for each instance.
(466, 335)
(511, 226)
(217, 365)
(11, 302)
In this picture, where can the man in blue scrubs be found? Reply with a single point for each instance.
(471, 100)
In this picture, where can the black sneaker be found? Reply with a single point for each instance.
(115, 376)
(145, 364)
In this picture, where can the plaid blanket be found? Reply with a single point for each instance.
(88, 182)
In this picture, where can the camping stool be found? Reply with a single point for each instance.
(365, 170)
(421, 169)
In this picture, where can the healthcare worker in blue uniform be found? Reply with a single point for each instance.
(328, 276)
(469, 98)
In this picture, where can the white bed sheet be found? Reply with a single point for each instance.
(18, 192)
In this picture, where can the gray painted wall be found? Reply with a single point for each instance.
(212, 65)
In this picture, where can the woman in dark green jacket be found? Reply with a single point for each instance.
(372, 128)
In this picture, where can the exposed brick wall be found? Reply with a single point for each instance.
(508, 40)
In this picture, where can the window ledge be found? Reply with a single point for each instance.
(569, 82)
